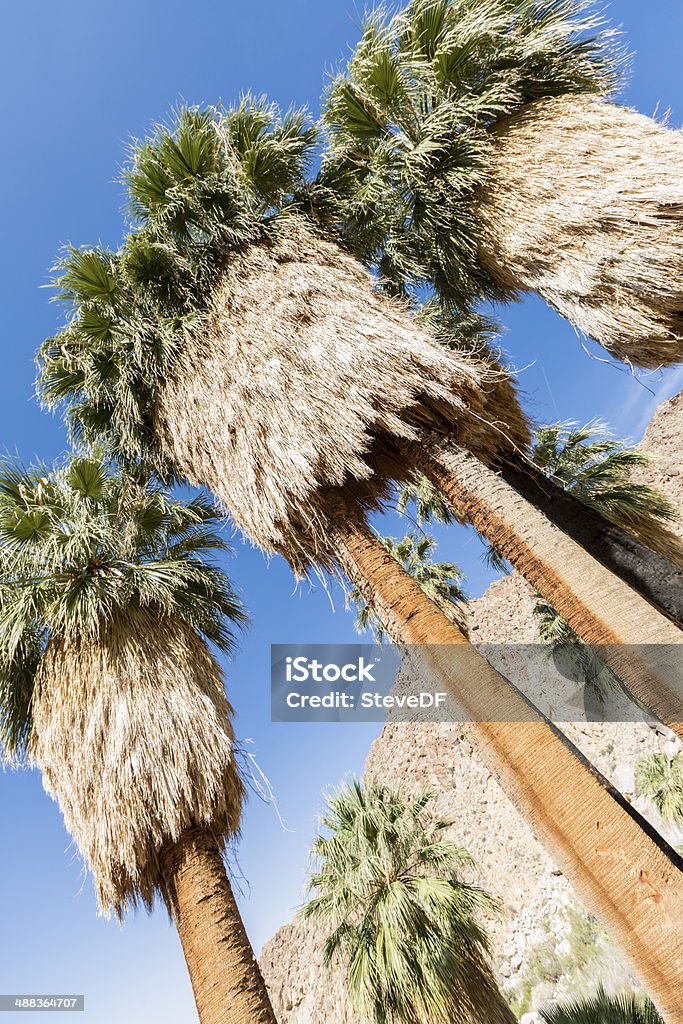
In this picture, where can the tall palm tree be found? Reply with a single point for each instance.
(389, 893)
(477, 149)
(596, 468)
(108, 604)
(604, 1009)
(440, 581)
(229, 344)
(594, 471)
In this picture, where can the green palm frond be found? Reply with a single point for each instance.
(462, 330)
(428, 503)
(602, 1008)
(441, 582)
(409, 124)
(389, 893)
(660, 778)
(81, 543)
(16, 693)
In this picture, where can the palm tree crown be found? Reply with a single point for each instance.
(409, 124)
(198, 191)
(108, 598)
(389, 892)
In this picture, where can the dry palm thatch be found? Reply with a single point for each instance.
(287, 400)
(133, 735)
(584, 205)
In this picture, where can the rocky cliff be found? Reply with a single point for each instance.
(663, 441)
(545, 945)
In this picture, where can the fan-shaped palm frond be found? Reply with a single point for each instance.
(597, 468)
(389, 892)
(602, 1008)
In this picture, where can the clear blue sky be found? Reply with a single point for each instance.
(77, 78)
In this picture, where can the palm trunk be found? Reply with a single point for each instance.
(620, 868)
(648, 572)
(637, 642)
(226, 979)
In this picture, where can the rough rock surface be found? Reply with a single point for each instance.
(545, 946)
(662, 441)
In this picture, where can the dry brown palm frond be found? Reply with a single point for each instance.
(584, 205)
(288, 400)
(133, 734)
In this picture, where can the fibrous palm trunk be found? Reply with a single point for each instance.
(584, 206)
(226, 979)
(621, 869)
(488, 1003)
(638, 643)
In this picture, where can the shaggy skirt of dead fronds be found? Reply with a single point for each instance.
(133, 734)
(286, 403)
(584, 205)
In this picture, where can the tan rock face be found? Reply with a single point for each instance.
(663, 443)
(542, 931)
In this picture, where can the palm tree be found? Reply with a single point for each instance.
(659, 777)
(220, 235)
(604, 1009)
(475, 148)
(389, 893)
(108, 604)
(440, 581)
(228, 343)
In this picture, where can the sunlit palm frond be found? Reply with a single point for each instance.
(597, 468)
(601, 1008)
